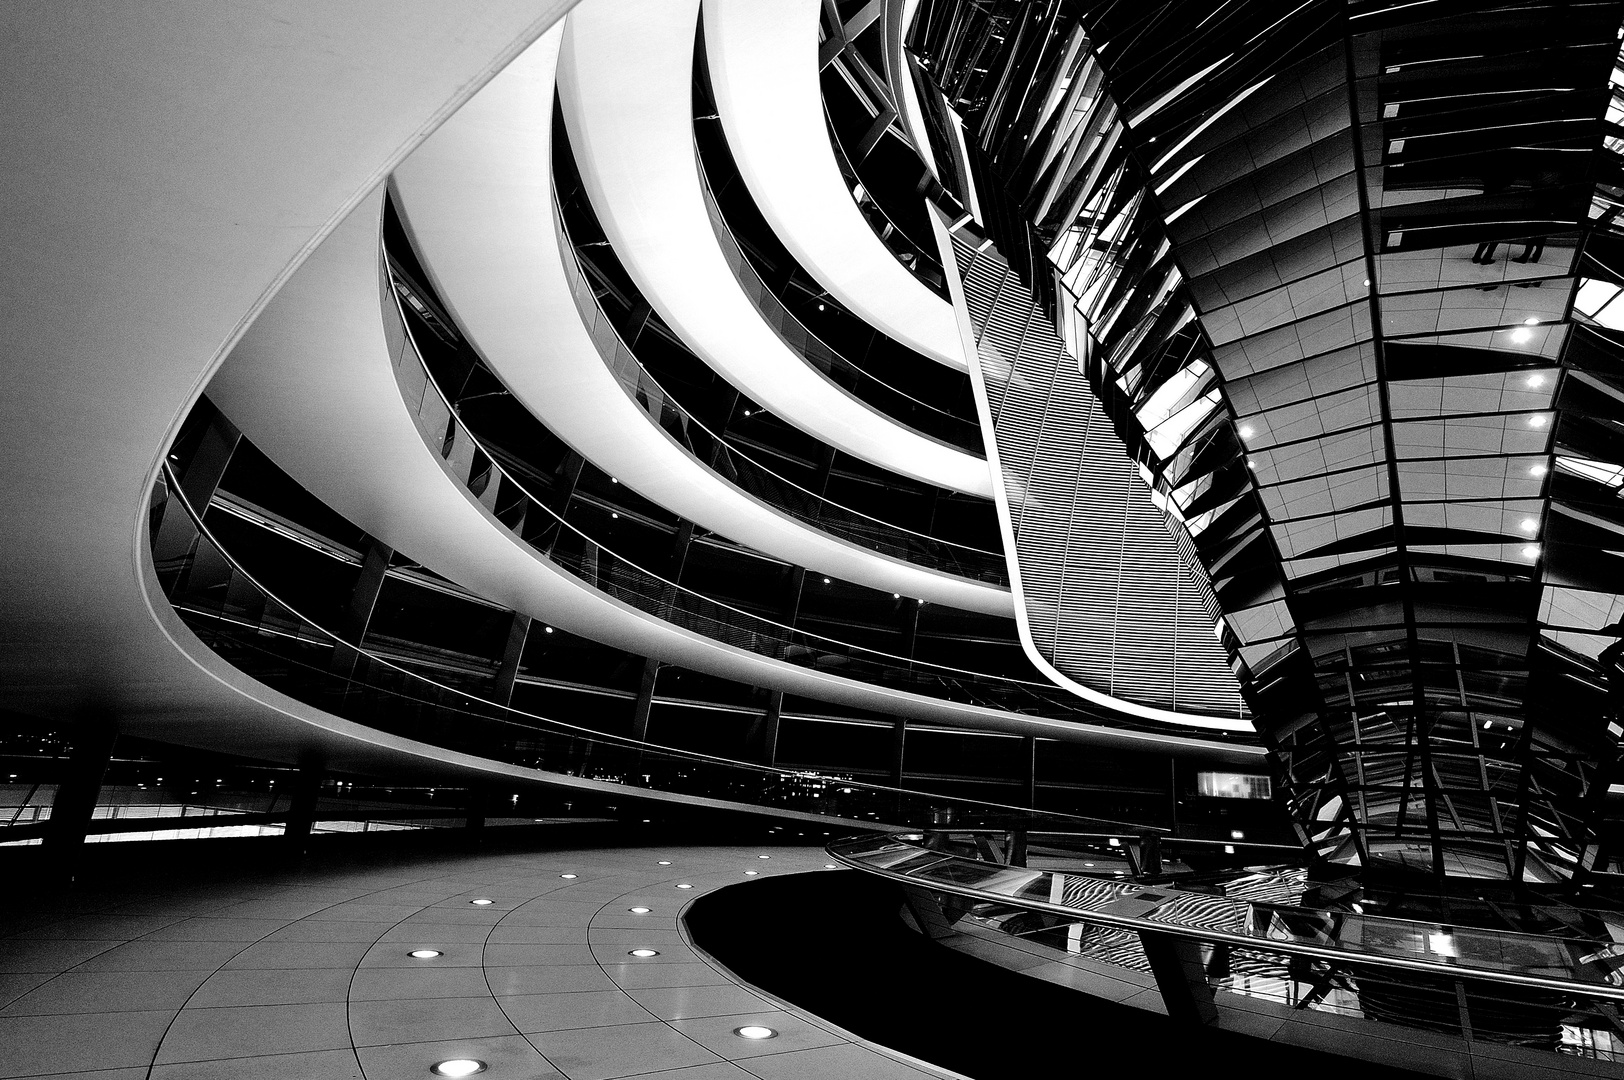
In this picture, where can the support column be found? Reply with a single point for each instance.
(512, 653)
(764, 732)
(1181, 976)
(302, 811)
(363, 602)
(77, 791)
(645, 699)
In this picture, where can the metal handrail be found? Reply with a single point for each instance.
(845, 852)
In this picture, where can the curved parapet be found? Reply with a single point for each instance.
(477, 200)
(764, 73)
(625, 81)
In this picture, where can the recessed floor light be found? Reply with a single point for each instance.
(423, 954)
(567, 876)
(763, 856)
(684, 885)
(665, 862)
(643, 952)
(831, 866)
(457, 1067)
(482, 903)
(751, 873)
(638, 910)
(755, 1031)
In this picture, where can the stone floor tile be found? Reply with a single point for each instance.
(601, 1053)
(254, 1030)
(37, 1045)
(557, 1012)
(379, 1023)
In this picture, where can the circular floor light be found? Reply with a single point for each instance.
(763, 856)
(751, 873)
(482, 902)
(665, 862)
(755, 1031)
(639, 910)
(644, 952)
(457, 1067)
(830, 866)
(424, 954)
(685, 885)
(567, 877)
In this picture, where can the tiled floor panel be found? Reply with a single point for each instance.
(306, 974)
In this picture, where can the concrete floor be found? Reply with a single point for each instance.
(304, 973)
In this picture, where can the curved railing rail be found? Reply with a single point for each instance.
(751, 476)
(243, 621)
(1503, 987)
(479, 468)
(841, 370)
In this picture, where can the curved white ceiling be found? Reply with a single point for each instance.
(763, 57)
(312, 385)
(164, 171)
(625, 78)
(477, 199)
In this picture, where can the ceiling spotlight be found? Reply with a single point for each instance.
(1247, 431)
(896, 596)
(548, 629)
(1530, 321)
(747, 412)
(1521, 335)
(1538, 470)
(643, 952)
(567, 877)
(612, 480)
(826, 581)
(1529, 525)
(423, 954)
(481, 903)
(1538, 420)
(639, 910)
(1531, 551)
(457, 1067)
(820, 307)
(1535, 381)
(755, 1031)
(614, 515)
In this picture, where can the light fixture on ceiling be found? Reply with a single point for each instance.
(1538, 420)
(755, 1031)
(896, 596)
(747, 412)
(1538, 470)
(644, 952)
(1247, 431)
(547, 629)
(1535, 381)
(1531, 551)
(1529, 525)
(1522, 335)
(457, 1067)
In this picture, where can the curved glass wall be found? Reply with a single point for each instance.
(243, 621)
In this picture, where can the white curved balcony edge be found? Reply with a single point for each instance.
(625, 79)
(1006, 528)
(477, 199)
(311, 384)
(164, 171)
(763, 57)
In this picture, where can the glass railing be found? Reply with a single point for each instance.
(860, 383)
(239, 618)
(918, 254)
(1551, 992)
(481, 470)
(756, 479)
